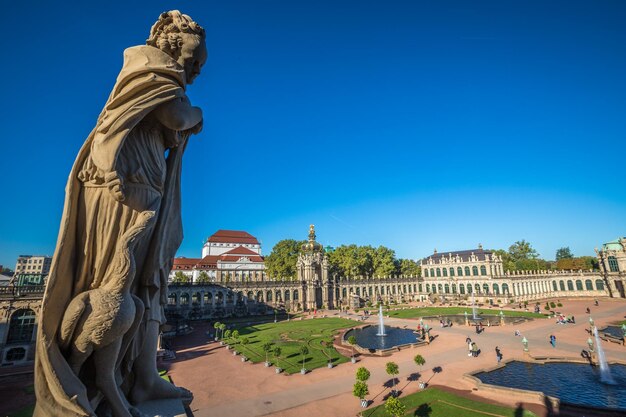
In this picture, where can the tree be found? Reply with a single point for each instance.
(352, 341)
(564, 253)
(303, 351)
(394, 407)
(384, 262)
(392, 370)
(277, 352)
(235, 335)
(180, 278)
(217, 326)
(203, 278)
(419, 361)
(222, 328)
(522, 250)
(281, 262)
(227, 335)
(409, 267)
(362, 374)
(360, 390)
(244, 342)
(267, 347)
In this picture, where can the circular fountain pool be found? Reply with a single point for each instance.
(367, 337)
(572, 383)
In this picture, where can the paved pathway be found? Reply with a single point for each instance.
(224, 386)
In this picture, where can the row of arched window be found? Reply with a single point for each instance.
(521, 287)
(439, 272)
(185, 299)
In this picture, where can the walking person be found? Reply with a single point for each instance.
(553, 340)
(469, 346)
(474, 350)
(498, 354)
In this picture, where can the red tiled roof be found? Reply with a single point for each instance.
(240, 250)
(233, 236)
(235, 258)
(186, 261)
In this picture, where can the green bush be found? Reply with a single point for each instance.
(552, 304)
(546, 307)
(559, 305)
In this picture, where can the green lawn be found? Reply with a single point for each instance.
(433, 402)
(316, 334)
(412, 313)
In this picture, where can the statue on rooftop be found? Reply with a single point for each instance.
(121, 227)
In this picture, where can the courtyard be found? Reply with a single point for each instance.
(224, 385)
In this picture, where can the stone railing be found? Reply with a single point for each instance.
(25, 291)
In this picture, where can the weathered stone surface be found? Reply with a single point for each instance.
(121, 226)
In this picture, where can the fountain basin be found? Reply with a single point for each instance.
(366, 337)
(572, 383)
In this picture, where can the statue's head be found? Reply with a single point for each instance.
(180, 37)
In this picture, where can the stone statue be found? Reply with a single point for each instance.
(121, 227)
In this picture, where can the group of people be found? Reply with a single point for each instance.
(562, 319)
(472, 348)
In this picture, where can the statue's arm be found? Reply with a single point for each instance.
(178, 114)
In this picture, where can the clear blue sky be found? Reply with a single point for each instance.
(414, 125)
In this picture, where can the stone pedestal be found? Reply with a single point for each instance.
(163, 408)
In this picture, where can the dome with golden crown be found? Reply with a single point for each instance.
(312, 246)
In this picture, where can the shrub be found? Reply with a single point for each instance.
(552, 304)
(559, 305)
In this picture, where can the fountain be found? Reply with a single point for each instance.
(381, 325)
(605, 372)
(474, 316)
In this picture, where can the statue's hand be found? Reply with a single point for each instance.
(115, 185)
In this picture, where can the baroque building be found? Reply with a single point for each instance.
(612, 260)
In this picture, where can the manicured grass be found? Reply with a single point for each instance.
(316, 334)
(433, 402)
(412, 313)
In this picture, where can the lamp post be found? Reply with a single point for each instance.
(525, 344)
(501, 317)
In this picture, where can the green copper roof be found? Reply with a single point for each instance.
(612, 245)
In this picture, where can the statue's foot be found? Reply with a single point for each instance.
(157, 389)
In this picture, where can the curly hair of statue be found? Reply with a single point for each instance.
(166, 32)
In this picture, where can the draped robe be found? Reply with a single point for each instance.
(130, 144)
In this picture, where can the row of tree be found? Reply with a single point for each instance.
(353, 260)
(521, 256)
(346, 260)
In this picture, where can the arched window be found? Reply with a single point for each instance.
(438, 272)
(250, 297)
(445, 272)
(467, 271)
(426, 273)
(428, 288)
(446, 288)
(453, 288)
(554, 287)
(195, 298)
(562, 285)
(230, 297)
(505, 289)
(469, 288)
(570, 285)
(477, 288)
(462, 288)
(613, 265)
(219, 297)
(171, 299)
(434, 289)
(432, 272)
(459, 271)
(483, 270)
(496, 289)
(184, 299)
(439, 288)
(344, 292)
(358, 291)
(579, 285)
(295, 295)
(287, 295)
(475, 270)
(588, 285)
(279, 297)
(268, 296)
(419, 286)
(21, 326)
(259, 296)
(451, 271)
(208, 298)
(599, 285)
(486, 288)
